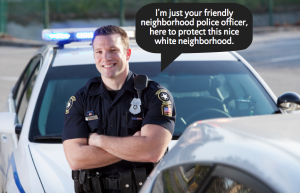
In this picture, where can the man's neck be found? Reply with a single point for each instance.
(115, 83)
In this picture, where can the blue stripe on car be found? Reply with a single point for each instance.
(16, 176)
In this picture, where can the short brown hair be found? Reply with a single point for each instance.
(112, 29)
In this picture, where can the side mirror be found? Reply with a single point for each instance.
(289, 101)
(8, 122)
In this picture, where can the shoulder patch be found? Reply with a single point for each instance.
(166, 108)
(163, 96)
(70, 104)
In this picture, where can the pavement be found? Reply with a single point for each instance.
(11, 41)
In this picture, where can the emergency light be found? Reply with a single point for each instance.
(77, 34)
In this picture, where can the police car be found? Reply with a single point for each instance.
(203, 85)
(241, 155)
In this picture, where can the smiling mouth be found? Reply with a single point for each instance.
(108, 66)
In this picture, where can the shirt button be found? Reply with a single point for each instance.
(111, 126)
(112, 107)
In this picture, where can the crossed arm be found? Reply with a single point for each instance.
(147, 145)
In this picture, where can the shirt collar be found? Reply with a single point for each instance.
(129, 82)
(95, 86)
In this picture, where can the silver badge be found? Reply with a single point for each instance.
(135, 107)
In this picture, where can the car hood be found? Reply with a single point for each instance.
(52, 167)
(172, 144)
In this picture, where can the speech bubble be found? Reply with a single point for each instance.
(175, 28)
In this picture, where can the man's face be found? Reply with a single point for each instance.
(110, 56)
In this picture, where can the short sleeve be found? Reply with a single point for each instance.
(161, 109)
(75, 125)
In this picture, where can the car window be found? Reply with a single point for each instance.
(201, 90)
(226, 185)
(210, 89)
(184, 178)
(24, 78)
(59, 85)
(26, 94)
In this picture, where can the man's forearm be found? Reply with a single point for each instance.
(94, 157)
(127, 148)
(149, 146)
(88, 157)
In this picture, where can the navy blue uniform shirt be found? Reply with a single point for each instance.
(113, 117)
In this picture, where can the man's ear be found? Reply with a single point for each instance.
(93, 50)
(128, 54)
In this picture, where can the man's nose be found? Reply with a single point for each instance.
(107, 56)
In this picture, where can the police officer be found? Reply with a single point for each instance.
(126, 134)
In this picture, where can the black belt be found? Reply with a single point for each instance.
(127, 181)
(111, 183)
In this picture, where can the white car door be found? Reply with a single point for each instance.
(20, 99)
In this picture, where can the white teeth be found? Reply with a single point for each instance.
(107, 66)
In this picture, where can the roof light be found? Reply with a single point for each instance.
(59, 36)
(75, 34)
(85, 35)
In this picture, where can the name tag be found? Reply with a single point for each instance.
(137, 118)
(90, 118)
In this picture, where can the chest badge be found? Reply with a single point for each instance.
(135, 107)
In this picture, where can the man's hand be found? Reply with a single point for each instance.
(137, 134)
(94, 139)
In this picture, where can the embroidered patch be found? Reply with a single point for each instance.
(166, 110)
(70, 104)
(163, 96)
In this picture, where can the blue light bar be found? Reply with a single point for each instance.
(85, 35)
(76, 34)
(59, 36)
(56, 35)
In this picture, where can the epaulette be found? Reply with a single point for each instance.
(89, 85)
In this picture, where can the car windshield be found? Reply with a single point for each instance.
(201, 90)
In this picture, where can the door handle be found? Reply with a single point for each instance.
(4, 138)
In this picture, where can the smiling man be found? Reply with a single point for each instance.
(125, 140)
